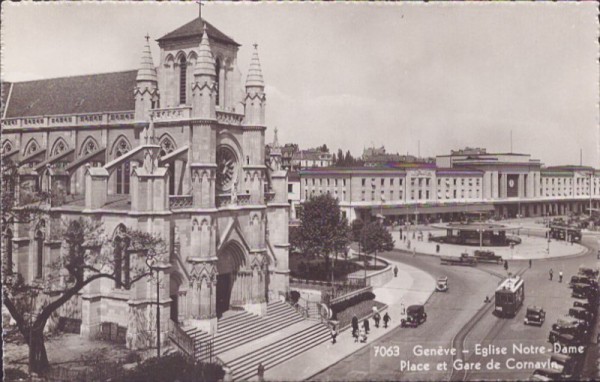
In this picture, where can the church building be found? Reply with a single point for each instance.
(174, 148)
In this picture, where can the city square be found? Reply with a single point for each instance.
(183, 198)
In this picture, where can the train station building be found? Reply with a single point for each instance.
(502, 184)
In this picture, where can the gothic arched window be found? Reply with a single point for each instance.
(122, 147)
(59, 147)
(31, 148)
(218, 81)
(39, 249)
(166, 147)
(89, 146)
(9, 251)
(121, 257)
(182, 80)
(7, 147)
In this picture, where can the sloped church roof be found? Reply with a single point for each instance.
(92, 93)
(195, 28)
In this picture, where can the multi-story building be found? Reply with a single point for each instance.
(311, 158)
(166, 149)
(464, 181)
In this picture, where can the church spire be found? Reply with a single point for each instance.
(147, 71)
(255, 78)
(275, 139)
(205, 65)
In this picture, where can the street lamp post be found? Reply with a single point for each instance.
(153, 263)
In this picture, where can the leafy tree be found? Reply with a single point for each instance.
(375, 238)
(340, 158)
(86, 255)
(322, 230)
(357, 227)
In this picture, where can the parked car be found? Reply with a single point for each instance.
(415, 316)
(582, 314)
(583, 279)
(584, 291)
(590, 272)
(584, 303)
(535, 315)
(442, 284)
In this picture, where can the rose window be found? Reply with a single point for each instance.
(226, 168)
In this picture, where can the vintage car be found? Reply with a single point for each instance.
(582, 314)
(535, 315)
(574, 329)
(567, 365)
(415, 316)
(442, 284)
(584, 291)
(546, 375)
(487, 256)
(584, 303)
(589, 272)
(565, 339)
(583, 279)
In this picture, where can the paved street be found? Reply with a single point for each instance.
(448, 313)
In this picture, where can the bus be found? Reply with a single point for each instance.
(509, 296)
(567, 233)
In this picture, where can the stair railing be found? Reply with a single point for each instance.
(181, 339)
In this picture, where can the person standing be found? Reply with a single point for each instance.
(261, 372)
(334, 334)
(551, 273)
(560, 275)
(395, 271)
(530, 262)
(505, 265)
(355, 326)
(386, 319)
(376, 318)
(366, 325)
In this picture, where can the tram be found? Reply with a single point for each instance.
(567, 233)
(509, 297)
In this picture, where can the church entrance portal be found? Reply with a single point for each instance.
(231, 260)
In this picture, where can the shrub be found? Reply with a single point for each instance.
(132, 357)
(294, 296)
(14, 374)
(170, 368)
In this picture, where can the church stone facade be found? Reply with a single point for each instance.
(174, 149)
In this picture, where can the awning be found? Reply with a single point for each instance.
(390, 210)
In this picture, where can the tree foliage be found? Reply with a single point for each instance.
(375, 238)
(322, 230)
(86, 255)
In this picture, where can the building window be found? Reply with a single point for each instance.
(400, 182)
(382, 181)
(427, 182)
(391, 181)
(362, 196)
(8, 235)
(344, 182)
(39, 249)
(123, 171)
(182, 80)
(290, 188)
(121, 257)
(363, 182)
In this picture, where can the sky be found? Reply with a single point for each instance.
(439, 76)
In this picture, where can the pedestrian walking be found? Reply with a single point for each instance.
(560, 277)
(261, 372)
(530, 262)
(395, 271)
(377, 318)
(551, 273)
(505, 265)
(366, 325)
(386, 319)
(355, 326)
(334, 334)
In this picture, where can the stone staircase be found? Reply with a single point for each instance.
(241, 328)
(245, 367)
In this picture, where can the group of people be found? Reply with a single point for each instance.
(360, 331)
(560, 275)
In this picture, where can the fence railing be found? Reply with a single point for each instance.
(181, 339)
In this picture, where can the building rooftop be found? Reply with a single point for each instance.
(92, 93)
(194, 29)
